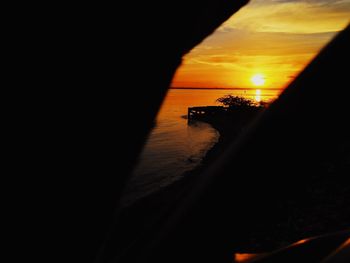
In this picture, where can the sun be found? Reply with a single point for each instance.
(258, 79)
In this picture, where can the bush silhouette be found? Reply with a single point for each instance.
(239, 102)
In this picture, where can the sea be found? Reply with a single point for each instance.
(174, 147)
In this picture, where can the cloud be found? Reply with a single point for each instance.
(238, 41)
(274, 37)
(313, 2)
(308, 16)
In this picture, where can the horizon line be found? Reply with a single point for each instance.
(218, 88)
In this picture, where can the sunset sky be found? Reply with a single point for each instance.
(266, 44)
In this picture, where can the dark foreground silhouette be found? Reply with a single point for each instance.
(67, 133)
(323, 208)
(308, 141)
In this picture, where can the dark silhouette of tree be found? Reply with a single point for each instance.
(239, 102)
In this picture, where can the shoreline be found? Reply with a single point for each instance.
(155, 208)
(216, 146)
(152, 210)
(208, 158)
(213, 152)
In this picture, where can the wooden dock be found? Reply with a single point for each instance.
(197, 113)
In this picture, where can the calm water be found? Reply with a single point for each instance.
(174, 147)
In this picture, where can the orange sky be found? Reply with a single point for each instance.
(273, 38)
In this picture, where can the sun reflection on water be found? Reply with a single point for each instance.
(257, 95)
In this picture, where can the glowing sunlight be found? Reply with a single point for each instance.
(258, 79)
(277, 38)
